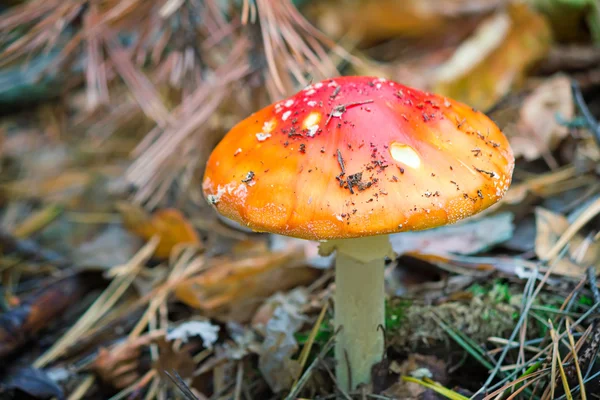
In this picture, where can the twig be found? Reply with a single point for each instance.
(239, 381)
(593, 125)
(337, 385)
(348, 367)
(340, 109)
(591, 274)
(181, 385)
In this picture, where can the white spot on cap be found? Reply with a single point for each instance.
(311, 120)
(332, 84)
(405, 154)
(241, 192)
(262, 136)
(318, 85)
(286, 115)
(238, 151)
(312, 103)
(311, 92)
(289, 103)
(312, 130)
(268, 126)
(221, 190)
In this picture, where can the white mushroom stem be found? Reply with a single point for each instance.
(359, 306)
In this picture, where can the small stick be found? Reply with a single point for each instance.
(341, 162)
(340, 109)
(593, 125)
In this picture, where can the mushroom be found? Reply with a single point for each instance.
(346, 162)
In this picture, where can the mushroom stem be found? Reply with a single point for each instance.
(359, 307)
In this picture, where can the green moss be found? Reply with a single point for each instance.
(585, 301)
(323, 334)
(395, 313)
(499, 292)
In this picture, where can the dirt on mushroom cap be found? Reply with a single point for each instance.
(358, 156)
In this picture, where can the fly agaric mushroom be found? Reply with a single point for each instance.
(347, 161)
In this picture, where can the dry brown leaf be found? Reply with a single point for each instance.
(537, 131)
(373, 21)
(496, 57)
(234, 289)
(65, 186)
(171, 358)
(66, 182)
(169, 224)
(119, 365)
(550, 227)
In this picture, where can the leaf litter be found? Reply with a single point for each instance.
(118, 280)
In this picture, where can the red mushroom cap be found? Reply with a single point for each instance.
(358, 156)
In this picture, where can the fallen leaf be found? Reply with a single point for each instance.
(569, 19)
(469, 237)
(279, 345)
(118, 366)
(523, 238)
(60, 187)
(549, 228)
(174, 358)
(372, 21)
(170, 225)
(113, 246)
(537, 131)
(234, 289)
(34, 382)
(496, 57)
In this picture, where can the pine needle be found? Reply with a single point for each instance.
(311, 339)
(102, 305)
(576, 361)
(556, 359)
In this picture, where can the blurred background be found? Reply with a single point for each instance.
(119, 281)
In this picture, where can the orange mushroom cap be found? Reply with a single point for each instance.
(358, 156)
